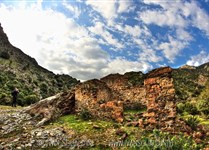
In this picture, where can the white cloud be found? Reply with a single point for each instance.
(198, 59)
(57, 42)
(149, 55)
(99, 29)
(201, 20)
(76, 10)
(61, 45)
(124, 6)
(178, 16)
(120, 65)
(106, 9)
(110, 10)
(172, 48)
(162, 18)
(134, 31)
(182, 34)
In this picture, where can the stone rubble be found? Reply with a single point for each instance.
(18, 130)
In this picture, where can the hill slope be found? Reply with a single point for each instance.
(20, 70)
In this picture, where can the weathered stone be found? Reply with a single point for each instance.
(53, 107)
(198, 135)
(132, 96)
(161, 107)
(96, 97)
(152, 120)
(152, 114)
(150, 81)
(163, 71)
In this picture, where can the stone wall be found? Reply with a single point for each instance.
(97, 98)
(132, 96)
(161, 106)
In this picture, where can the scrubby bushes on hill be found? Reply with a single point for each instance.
(203, 107)
(4, 55)
(187, 107)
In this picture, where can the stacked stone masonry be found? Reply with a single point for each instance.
(161, 106)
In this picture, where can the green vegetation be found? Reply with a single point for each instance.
(4, 55)
(193, 122)
(84, 114)
(107, 135)
(188, 108)
(135, 78)
(186, 83)
(33, 82)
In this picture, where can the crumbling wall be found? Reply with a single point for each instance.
(98, 99)
(161, 104)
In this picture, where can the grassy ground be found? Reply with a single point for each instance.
(102, 135)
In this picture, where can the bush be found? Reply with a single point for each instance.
(193, 122)
(30, 99)
(187, 107)
(5, 99)
(203, 106)
(44, 87)
(4, 55)
(85, 114)
(180, 107)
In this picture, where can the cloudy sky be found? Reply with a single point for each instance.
(93, 38)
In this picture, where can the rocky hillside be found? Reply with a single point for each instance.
(20, 70)
(190, 81)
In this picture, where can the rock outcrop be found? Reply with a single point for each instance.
(53, 107)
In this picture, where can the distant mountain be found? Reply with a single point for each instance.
(22, 71)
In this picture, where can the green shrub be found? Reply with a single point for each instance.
(193, 122)
(187, 107)
(4, 55)
(5, 99)
(191, 108)
(84, 114)
(180, 107)
(44, 87)
(30, 99)
(203, 106)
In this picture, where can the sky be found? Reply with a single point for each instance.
(93, 38)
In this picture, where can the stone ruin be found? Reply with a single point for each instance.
(161, 105)
(97, 98)
(104, 99)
